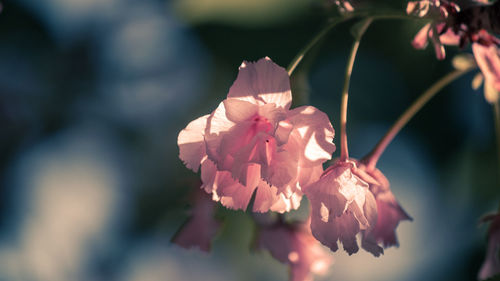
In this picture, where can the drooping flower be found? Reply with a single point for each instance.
(294, 245)
(342, 206)
(201, 227)
(491, 264)
(488, 60)
(389, 212)
(253, 142)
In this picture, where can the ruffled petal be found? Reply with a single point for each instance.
(217, 126)
(341, 206)
(191, 143)
(262, 82)
(312, 135)
(224, 188)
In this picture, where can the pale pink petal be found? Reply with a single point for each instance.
(312, 135)
(491, 264)
(281, 170)
(422, 38)
(230, 192)
(341, 206)
(308, 175)
(286, 204)
(209, 176)
(217, 126)
(201, 227)
(239, 110)
(262, 82)
(488, 60)
(265, 196)
(191, 143)
(283, 132)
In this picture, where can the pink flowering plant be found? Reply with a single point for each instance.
(258, 153)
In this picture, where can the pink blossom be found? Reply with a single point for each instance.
(437, 30)
(342, 206)
(433, 32)
(253, 142)
(294, 245)
(201, 227)
(389, 212)
(488, 60)
(491, 265)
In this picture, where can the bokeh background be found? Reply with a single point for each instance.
(94, 92)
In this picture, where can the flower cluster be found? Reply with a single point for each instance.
(253, 144)
(256, 152)
(452, 26)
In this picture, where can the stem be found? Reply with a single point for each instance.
(298, 58)
(344, 153)
(372, 158)
(496, 107)
(373, 14)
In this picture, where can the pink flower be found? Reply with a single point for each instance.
(389, 212)
(201, 227)
(488, 60)
(294, 245)
(437, 31)
(254, 142)
(342, 206)
(491, 265)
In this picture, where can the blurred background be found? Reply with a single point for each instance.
(94, 92)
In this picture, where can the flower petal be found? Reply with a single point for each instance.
(488, 59)
(239, 110)
(262, 82)
(422, 38)
(312, 135)
(191, 143)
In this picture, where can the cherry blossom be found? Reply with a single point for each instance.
(491, 265)
(342, 206)
(294, 245)
(254, 142)
(201, 227)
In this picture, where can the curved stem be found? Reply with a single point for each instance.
(344, 152)
(298, 58)
(373, 14)
(372, 158)
(496, 108)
